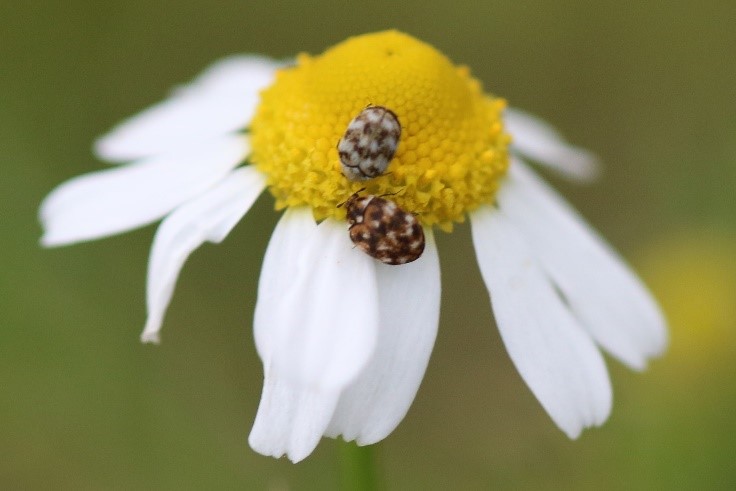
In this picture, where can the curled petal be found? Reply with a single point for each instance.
(209, 218)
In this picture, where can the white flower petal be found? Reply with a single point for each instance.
(554, 355)
(221, 100)
(601, 290)
(316, 318)
(210, 217)
(290, 420)
(116, 200)
(537, 140)
(376, 402)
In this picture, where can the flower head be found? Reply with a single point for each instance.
(344, 338)
(452, 151)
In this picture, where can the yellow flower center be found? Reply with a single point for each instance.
(452, 149)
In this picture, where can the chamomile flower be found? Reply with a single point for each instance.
(345, 339)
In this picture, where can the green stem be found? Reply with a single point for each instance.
(358, 467)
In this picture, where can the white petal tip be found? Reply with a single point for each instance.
(103, 149)
(268, 451)
(637, 365)
(655, 346)
(48, 241)
(573, 164)
(263, 450)
(572, 434)
(662, 338)
(534, 138)
(61, 238)
(573, 425)
(150, 338)
(642, 364)
(58, 238)
(295, 459)
(582, 166)
(364, 440)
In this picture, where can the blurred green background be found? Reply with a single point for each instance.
(649, 86)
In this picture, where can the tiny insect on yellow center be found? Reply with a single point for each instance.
(451, 148)
(369, 143)
(384, 231)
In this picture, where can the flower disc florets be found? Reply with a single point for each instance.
(452, 150)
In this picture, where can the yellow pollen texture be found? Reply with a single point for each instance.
(452, 149)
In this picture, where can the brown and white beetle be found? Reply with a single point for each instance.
(384, 231)
(369, 143)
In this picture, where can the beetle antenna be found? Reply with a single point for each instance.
(339, 205)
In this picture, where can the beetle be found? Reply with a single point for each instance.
(381, 229)
(369, 143)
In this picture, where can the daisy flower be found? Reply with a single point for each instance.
(345, 339)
